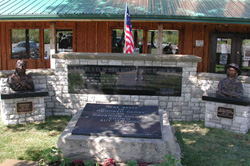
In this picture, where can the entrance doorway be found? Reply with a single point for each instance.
(230, 48)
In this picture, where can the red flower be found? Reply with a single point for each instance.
(143, 164)
(109, 162)
(77, 161)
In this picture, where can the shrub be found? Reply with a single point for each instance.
(170, 160)
(53, 157)
(132, 163)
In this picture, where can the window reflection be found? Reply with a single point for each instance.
(245, 49)
(170, 41)
(118, 40)
(46, 39)
(64, 40)
(25, 43)
(223, 53)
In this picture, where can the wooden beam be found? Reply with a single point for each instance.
(145, 41)
(52, 44)
(159, 41)
(4, 40)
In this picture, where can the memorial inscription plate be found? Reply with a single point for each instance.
(131, 80)
(224, 112)
(119, 120)
(24, 107)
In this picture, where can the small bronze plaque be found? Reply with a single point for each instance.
(24, 107)
(225, 112)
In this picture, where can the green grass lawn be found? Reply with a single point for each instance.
(27, 142)
(200, 146)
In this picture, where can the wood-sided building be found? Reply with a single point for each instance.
(218, 31)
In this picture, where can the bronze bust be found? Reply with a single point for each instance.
(19, 81)
(231, 86)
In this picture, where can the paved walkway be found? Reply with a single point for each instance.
(12, 162)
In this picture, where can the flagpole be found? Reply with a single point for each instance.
(125, 22)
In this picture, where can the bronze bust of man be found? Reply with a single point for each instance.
(19, 81)
(231, 86)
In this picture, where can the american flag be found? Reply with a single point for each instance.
(129, 41)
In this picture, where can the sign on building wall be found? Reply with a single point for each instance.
(199, 43)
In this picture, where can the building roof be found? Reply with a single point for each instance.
(218, 11)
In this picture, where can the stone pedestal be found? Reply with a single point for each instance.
(31, 103)
(233, 115)
(122, 149)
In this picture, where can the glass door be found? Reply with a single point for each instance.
(244, 53)
(230, 48)
(223, 53)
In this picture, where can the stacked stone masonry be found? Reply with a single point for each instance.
(9, 113)
(10, 116)
(239, 124)
(187, 107)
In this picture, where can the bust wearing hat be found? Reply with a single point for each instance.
(231, 86)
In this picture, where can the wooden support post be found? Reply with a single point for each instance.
(52, 44)
(159, 41)
(145, 41)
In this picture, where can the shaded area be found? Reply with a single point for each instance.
(28, 141)
(131, 80)
(199, 144)
(210, 146)
(119, 120)
(24, 94)
(221, 99)
(56, 124)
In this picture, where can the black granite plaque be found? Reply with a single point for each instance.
(224, 112)
(213, 97)
(119, 120)
(24, 107)
(131, 80)
(25, 94)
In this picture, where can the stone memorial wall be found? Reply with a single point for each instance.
(125, 80)
(188, 106)
(181, 103)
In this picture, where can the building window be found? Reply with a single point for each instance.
(118, 40)
(170, 41)
(64, 39)
(46, 44)
(25, 43)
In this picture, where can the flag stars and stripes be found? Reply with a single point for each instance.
(129, 41)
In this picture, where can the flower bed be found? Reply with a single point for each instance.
(53, 157)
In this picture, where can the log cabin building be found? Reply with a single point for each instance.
(218, 31)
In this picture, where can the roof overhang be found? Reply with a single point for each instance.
(115, 17)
